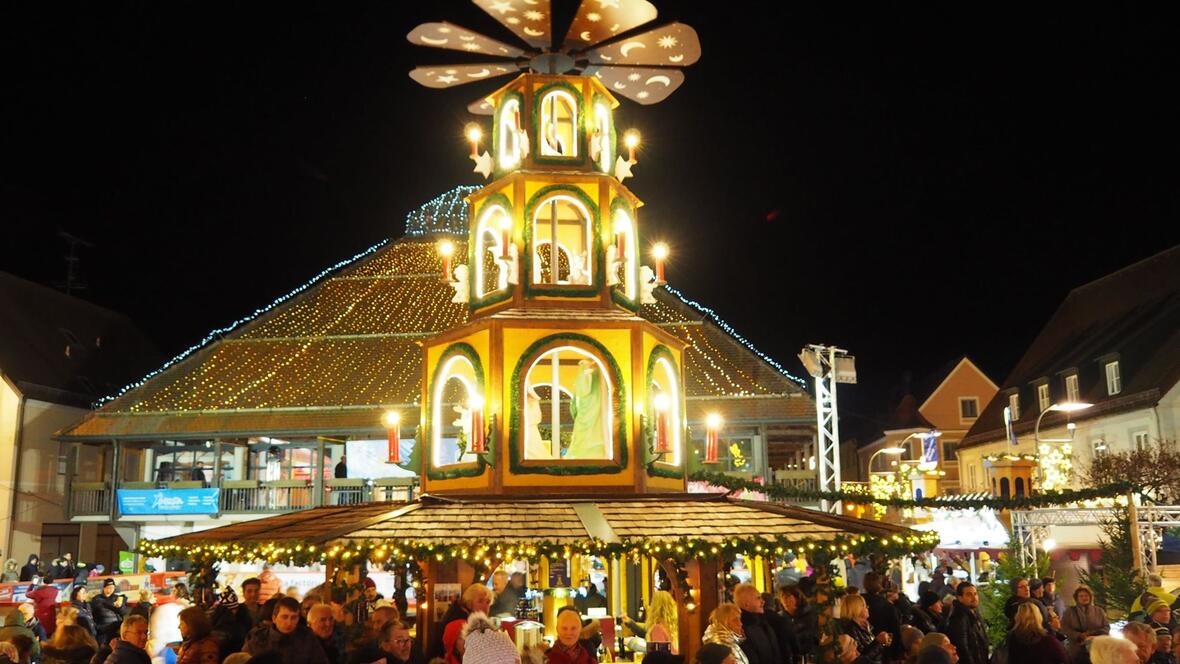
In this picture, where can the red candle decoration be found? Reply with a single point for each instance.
(622, 246)
(631, 140)
(473, 135)
(446, 249)
(478, 442)
(660, 403)
(713, 430)
(393, 428)
(505, 236)
(660, 253)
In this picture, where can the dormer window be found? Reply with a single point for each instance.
(1114, 380)
(968, 408)
(1043, 401)
(1014, 405)
(559, 121)
(562, 248)
(1071, 388)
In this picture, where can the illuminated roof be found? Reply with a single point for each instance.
(332, 357)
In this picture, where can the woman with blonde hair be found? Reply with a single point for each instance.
(71, 644)
(662, 618)
(1029, 642)
(725, 628)
(854, 622)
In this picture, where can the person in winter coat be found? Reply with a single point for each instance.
(29, 613)
(129, 647)
(1083, 621)
(1030, 643)
(803, 618)
(12, 625)
(725, 628)
(271, 584)
(31, 569)
(11, 571)
(476, 598)
(854, 622)
(965, 627)
(761, 644)
(1021, 593)
(44, 599)
(85, 617)
(568, 648)
(927, 615)
(197, 644)
(71, 644)
(283, 636)
(882, 613)
(483, 643)
(108, 609)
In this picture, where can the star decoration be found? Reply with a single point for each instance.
(642, 94)
(471, 46)
(594, 17)
(633, 77)
(503, 7)
(622, 169)
(448, 79)
(483, 164)
(667, 41)
(534, 15)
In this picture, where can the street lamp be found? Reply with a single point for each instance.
(1066, 407)
(885, 450)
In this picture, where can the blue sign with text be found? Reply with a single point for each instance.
(168, 501)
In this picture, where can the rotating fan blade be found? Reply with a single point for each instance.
(449, 76)
(456, 38)
(673, 45)
(645, 85)
(481, 106)
(597, 21)
(528, 19)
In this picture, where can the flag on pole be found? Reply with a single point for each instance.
(1008, 426)
(929, 448)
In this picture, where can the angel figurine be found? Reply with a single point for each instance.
(647, 284)
(459, 283)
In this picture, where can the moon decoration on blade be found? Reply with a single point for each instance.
(644, 67)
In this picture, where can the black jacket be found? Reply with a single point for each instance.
(85, 617)
(30, 570)
(298, 647)
(883, 617)
(105, 612)
(761, 644)
(965, 629)
(870, 648)
(783, 626)
(926, 621)
(806, 623)
(125, 653)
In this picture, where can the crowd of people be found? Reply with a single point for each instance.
(804, 621)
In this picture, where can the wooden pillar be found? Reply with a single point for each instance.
(702, 575)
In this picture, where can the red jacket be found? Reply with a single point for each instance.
(44, 599)
(558, 654)
(202, 651)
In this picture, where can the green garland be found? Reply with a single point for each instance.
(385, 551)
(1046, 499)
(466, 469)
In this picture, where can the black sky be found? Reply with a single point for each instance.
(910, 183)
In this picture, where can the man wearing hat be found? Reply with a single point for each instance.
(1159, 616)
(109, 609)
(927, 615)
(362, 606)
(1163, 647)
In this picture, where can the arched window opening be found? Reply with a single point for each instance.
(559, 122)
(508, 134)
(665, 410)
(491, 248)
(566, 220)
(1005, 488)
(567, 407)
(1019, 487)
(623, 264)
(602, 131)
(457, 407)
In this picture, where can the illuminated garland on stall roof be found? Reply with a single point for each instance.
(446, 213)
(1044, 499)
(298, 553)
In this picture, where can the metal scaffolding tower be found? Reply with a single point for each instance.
(828, 365)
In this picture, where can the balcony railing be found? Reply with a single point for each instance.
(804, 480)
(89, 499)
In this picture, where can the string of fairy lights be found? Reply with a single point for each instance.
(717, 320)
(445, 213)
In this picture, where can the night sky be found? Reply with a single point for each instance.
(910, 184)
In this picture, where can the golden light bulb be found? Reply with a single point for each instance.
(659, 251)
(660, 402)
(474, 133)
(713, 421)
(446, 248)
(631, 138)
(391, 418)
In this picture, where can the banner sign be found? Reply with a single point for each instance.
(168, 501)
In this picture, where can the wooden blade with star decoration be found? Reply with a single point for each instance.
(530, 20)
(673, 45)
(456, 38)
(449, 76)
(645, 85)
(599, 20)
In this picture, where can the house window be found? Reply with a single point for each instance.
(1014, 405)
(971, 476)
(950, 451)
(1098, 446)
(1140, 441)
(1043, 397)
(1071, 388)
(968, 408)
(1114, 382)
(564, 219)
(559, 121)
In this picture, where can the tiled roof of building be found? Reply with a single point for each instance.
(1132, 315)
(337, 355)
(439, 521)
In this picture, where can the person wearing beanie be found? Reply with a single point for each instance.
(484, 644)
(1159, 615)
(1163, 648)
(714, 653)
(108, 609)
(927, 615)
